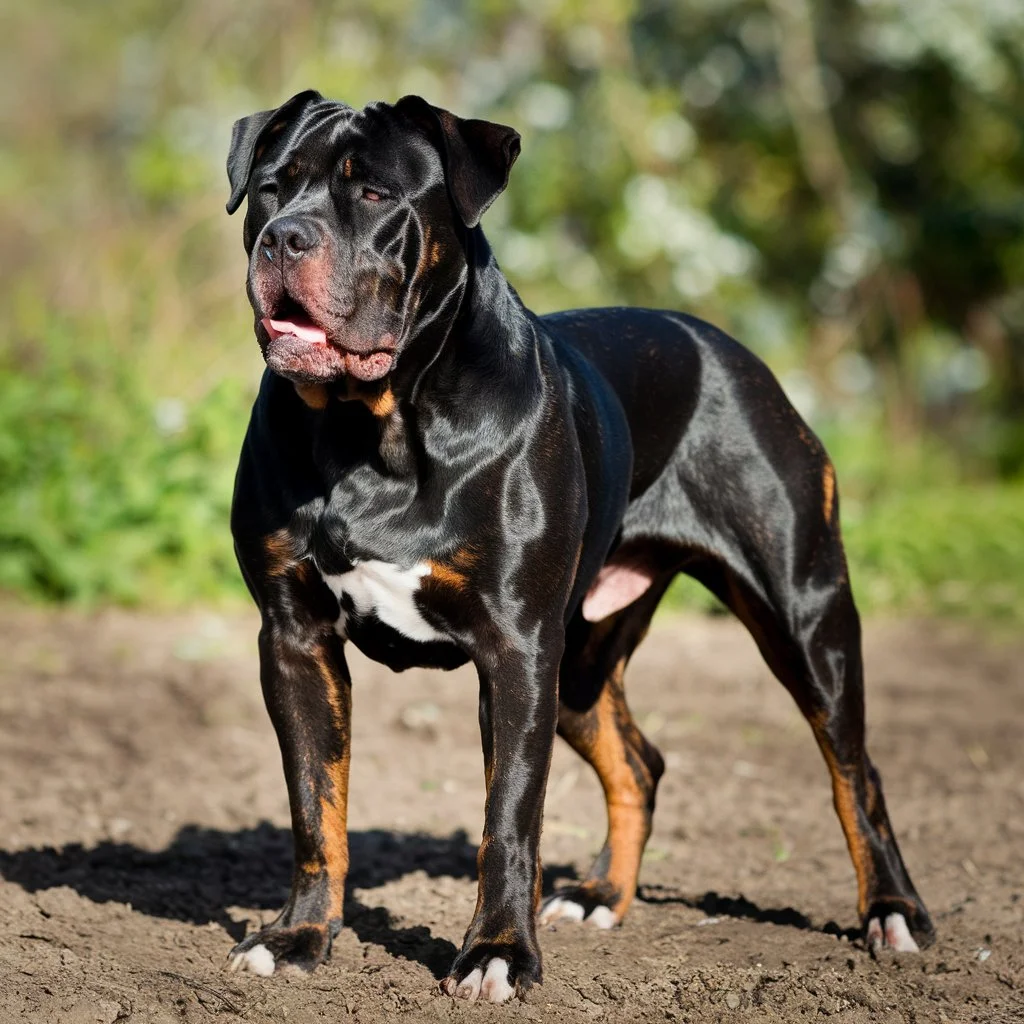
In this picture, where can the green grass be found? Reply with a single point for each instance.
(107, 495)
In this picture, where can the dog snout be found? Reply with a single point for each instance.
(290, 238)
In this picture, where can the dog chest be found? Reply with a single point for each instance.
(386, 592)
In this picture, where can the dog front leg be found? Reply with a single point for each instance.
(307, 689)
(518, 714)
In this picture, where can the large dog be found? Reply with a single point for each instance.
(439, 475)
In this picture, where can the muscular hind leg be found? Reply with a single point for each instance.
(809, 633)
(595, 720)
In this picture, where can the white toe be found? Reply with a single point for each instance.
(258, 960)
(559, 909)
(897, 935)
(602, 917)
(495, 988)
(469, 987)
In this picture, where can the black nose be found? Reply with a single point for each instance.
(289, 238)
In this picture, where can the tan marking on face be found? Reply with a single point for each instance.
(436, 252)
(383, 404)
(292, 169)
(424, 251)
(346, 167)
(829, 488)
(314, 395)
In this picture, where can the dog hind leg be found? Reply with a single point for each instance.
(800, 610)
(596, 722)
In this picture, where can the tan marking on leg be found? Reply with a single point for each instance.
(844, 798)
(628, 816)
(280, 551)
(829, 487)
(334, 805)
(436, 252)
(314, 395)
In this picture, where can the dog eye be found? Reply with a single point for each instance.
(268, 188)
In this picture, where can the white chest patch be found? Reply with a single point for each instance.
(385, 590)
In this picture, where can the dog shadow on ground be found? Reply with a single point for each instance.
(204, 871)
(715, 905)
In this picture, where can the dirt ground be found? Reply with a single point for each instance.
(143, 830)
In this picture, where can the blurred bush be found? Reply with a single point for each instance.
(839, 184)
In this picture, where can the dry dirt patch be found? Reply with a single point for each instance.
(143, 829)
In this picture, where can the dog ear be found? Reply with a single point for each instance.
(478, 155)
(246, 135)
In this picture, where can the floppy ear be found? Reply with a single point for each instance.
(478, 155)
(245, 135)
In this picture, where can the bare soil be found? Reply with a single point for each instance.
(144, 829)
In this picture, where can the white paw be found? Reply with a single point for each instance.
(491, 985)
(495, 987)
(560, 909)
(259, 960)
(602, 917)
(895, 934)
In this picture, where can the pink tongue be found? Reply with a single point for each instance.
(303, 331)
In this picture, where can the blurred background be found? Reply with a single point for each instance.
(840, 184)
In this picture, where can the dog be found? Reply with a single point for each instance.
(438, 475)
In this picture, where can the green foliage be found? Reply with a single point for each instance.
(106, 495)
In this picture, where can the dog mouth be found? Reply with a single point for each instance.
(300, 349)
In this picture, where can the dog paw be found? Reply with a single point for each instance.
(275, 949)
(890, 932)
(579, 906)
(490, 983)
(493, 972)
(900, 925)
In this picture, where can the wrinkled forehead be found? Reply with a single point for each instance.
(374, 141)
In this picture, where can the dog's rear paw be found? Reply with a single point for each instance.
(903, 932)
(274, 949)
(578, 905)
(893, 932)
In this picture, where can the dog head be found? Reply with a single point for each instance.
(356, 226)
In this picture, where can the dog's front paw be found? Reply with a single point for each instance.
(592, 904)
(273, 949)
(492, 972)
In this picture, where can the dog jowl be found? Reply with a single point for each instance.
(439, 476)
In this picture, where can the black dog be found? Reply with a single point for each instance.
(436, 474)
